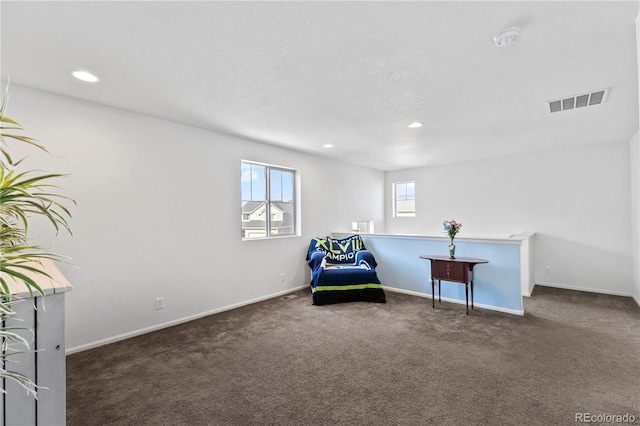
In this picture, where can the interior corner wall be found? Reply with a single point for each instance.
(576, 200)
(158, 215)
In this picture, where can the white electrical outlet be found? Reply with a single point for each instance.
(159, 303)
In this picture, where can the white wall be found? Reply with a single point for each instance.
(634, 146)
(577, 200)
(159, 214)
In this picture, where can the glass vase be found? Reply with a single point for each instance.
(452, 250)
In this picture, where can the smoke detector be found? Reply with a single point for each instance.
(507, 37)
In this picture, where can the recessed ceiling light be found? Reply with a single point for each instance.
(327, 145)
(415, 125)
(85, 76)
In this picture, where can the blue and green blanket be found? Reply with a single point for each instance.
(343, 270)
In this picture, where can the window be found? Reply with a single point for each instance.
(268, 201)
(404, 199)
(362, 227)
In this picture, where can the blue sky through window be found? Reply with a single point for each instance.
(281, 186)
(401, 191)
(276, 185)
(411, 190)
(254, 182)
(405, 191)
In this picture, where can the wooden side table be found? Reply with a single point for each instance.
(457, 270)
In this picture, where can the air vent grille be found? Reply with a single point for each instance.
(578, 101)
(568, 103)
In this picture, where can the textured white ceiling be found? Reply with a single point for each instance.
(354, 74)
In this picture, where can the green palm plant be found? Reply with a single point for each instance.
(22, 195)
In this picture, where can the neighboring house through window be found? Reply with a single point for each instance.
(268, 200)
(404, 199)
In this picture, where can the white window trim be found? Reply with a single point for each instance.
(395, 212)
(297, 220)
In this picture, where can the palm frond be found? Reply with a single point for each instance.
(22, 195)
(14, 126)
(26, 383)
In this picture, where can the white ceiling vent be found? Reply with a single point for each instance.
(578, 101)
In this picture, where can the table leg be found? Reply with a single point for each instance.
(471, 294)
(466, 295)
(433, 294)
(439, 291)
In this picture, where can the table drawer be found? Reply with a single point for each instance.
(449, 271)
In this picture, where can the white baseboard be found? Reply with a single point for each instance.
(446, 299)
(635, 297)
(527, 292)
(155, 327)
(587, 289)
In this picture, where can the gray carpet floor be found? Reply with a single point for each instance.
(287, 362)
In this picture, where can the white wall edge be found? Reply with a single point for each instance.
(461, 302)
(526, 262)
(514, 241)
(587, 289)
(634, 297)
(156, 327)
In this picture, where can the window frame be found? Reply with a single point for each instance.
(406, 198)
(295, 195)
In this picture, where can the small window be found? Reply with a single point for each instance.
(268, 201)
(404, 199)
(362, 227)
